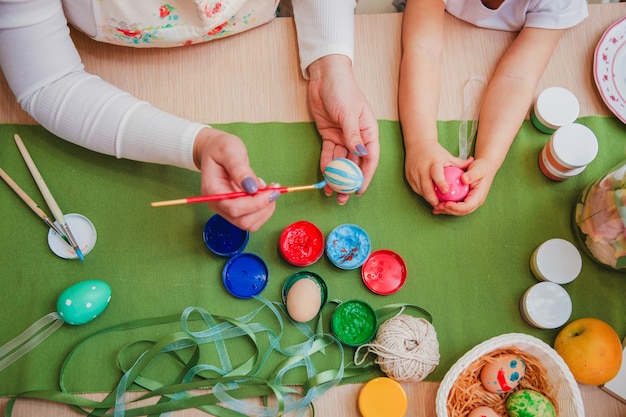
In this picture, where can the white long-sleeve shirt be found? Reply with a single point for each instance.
(45, 72)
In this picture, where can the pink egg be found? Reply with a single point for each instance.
(456, 189)
(483, 411)
(503, 374)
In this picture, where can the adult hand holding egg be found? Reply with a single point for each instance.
(343, 118)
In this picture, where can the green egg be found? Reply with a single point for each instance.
(83, 301)
(529, 403)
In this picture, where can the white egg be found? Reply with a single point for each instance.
(304, 300)
(483, 411)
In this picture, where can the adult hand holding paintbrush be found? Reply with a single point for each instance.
(222, 159)
(341, 175)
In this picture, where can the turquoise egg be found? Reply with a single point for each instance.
(527, 403)
(83, 301)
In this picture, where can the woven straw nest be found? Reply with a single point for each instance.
(555, 379)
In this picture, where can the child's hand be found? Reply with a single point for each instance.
(225, 167)
(343, 118)
(424, 165)
(480, 175)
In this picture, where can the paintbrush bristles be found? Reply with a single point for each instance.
(301, 188)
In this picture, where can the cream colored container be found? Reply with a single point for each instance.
(572, 146)
(553, 108)
(570, 149)
(553, 172)
(546, 305)
(556, 260)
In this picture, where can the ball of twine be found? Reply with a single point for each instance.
(406, 348)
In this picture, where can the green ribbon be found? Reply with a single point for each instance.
(28, 339)
(230, 385)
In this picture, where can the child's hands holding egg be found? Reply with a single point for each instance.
(457, 190)
(479, 175)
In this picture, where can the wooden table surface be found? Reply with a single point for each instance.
(255, 77)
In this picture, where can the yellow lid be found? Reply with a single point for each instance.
(382, 397)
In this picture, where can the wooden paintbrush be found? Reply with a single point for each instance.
(47, 195)
(30, 203)
(217, 197)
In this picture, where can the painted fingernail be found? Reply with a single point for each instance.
(361, 150)
(274, 196)
(249, 184)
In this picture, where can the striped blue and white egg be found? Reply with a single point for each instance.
(343, 176)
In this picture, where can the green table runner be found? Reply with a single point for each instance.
(469, 272)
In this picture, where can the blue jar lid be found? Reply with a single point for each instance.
(348, 246)
(224, 238)
(245, 275)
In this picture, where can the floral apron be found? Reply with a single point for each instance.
(154, 23)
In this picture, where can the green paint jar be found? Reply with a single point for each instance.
(354, 322)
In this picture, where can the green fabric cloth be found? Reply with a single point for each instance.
(468, 272)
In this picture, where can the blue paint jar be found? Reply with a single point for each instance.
(348, 246)
(224, 238)
(245, 275)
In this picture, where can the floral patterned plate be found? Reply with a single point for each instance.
(609, 68)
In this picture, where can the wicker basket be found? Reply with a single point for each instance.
(565, 388)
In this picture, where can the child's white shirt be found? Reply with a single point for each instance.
(513, 15)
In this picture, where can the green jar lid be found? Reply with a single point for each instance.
(304, 303)
(354, 322)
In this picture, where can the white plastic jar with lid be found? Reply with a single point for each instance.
(553, 108)
(556, 260)
(546, 305)
(570, 149)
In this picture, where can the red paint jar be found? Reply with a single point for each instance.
(301, 243)
(384, 272)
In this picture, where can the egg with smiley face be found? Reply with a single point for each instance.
(503, 373)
